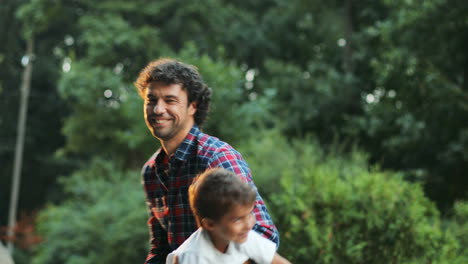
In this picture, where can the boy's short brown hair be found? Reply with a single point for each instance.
(215, 191)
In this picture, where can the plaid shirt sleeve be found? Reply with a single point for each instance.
(233, 161)
(159, 247)
(158, 235)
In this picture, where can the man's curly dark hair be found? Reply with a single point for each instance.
(170, 71)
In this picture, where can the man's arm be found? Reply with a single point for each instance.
(277, 259)
(159, 246)
(158, 235)
(233, 161)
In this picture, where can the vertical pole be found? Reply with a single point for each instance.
(21, 128)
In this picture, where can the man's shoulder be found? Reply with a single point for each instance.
(211, 146)
(151, 161)
(214, 152)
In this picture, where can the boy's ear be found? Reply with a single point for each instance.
(207, 224)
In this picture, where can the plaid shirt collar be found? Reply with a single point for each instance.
(188, 146)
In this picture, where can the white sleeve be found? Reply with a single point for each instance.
(170, 257)
(259, 248)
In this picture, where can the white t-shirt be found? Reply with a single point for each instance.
(198, 249)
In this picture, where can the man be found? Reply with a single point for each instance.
(176, 103)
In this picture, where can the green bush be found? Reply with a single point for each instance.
(461, 223)
(103, 220)
(268, 156)
(458, 228)
(332, 208)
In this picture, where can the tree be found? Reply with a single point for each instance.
(415, 118)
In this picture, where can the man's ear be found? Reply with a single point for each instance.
(192, 108)
(207, 224)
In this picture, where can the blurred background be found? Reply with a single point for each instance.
(353, 116)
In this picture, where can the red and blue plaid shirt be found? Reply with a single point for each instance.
(166, 182)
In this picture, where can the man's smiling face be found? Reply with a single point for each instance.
(168, 114)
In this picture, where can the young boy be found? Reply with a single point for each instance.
(222, 204)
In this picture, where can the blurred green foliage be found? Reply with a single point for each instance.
(103, 219)
(298, 87)
(459, 228)
(332, 208)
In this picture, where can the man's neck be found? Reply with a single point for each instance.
(170, 146)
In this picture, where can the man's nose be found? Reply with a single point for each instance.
(159, 108)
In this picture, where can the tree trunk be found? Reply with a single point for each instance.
(21, 128)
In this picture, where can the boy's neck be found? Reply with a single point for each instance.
(220, 244)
